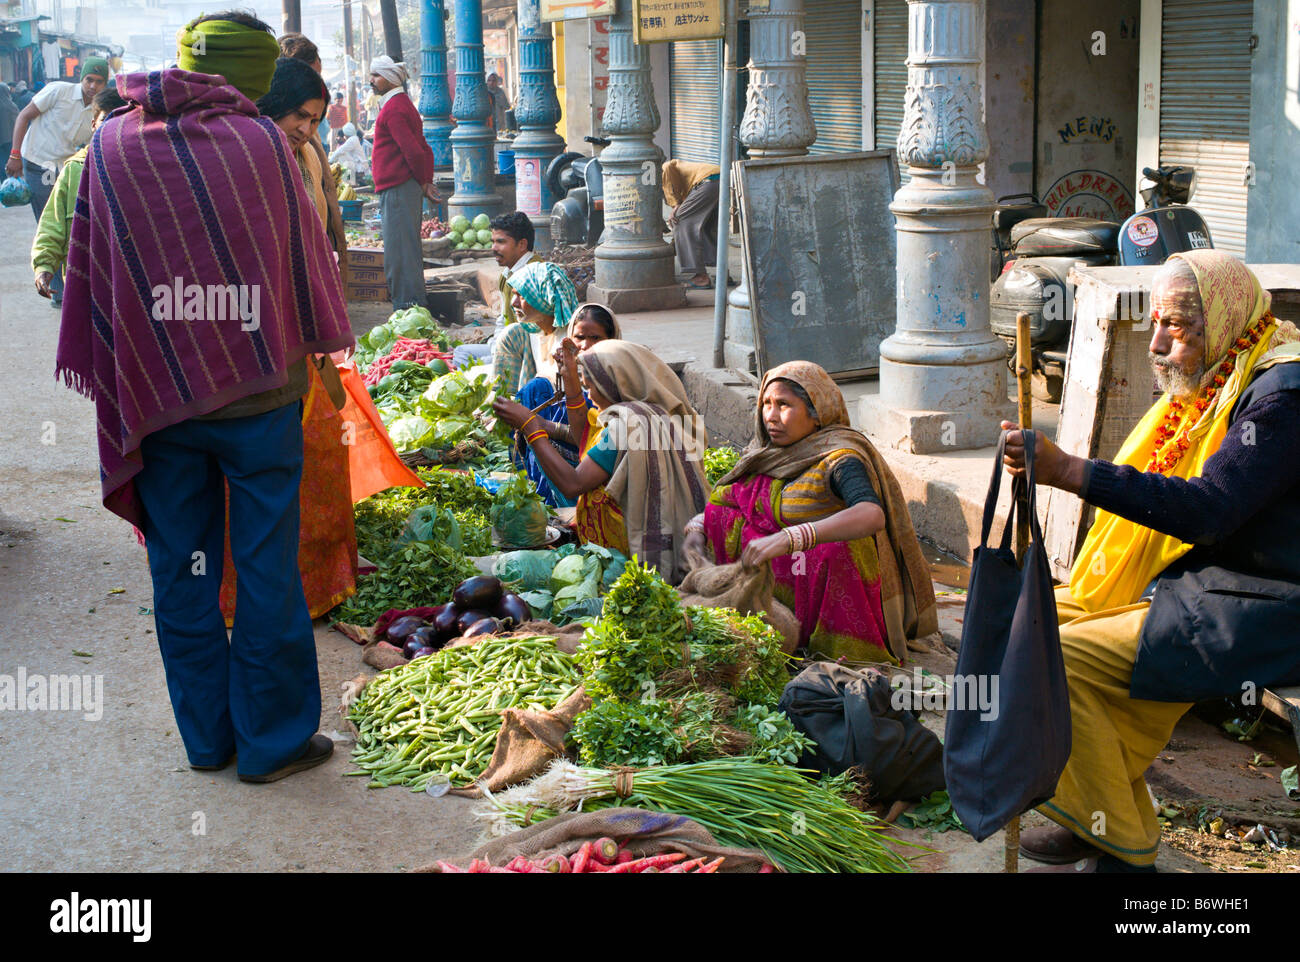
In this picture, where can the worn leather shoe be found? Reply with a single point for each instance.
(213, 768)
(1054, 845)
(319, 749)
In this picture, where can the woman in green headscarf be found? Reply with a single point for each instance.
(545, 300)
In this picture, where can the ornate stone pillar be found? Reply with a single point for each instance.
(943, 374)
(538, 111)
(778, 123)
(472, 140)
(435, 98)
(634, 266)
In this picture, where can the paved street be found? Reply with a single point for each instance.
(115, 793)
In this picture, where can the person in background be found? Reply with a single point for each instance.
(513, 236)
(1187, 585)
(298, 47)
(8, 114)
(402, 166)
(327, 539)
(50, 245)
(22, 95)
(544, 301)
(337, 116)
(49, 130)
(812, 496)
(566, 420)
(648, 490)
(199, 405)
(500, 102)
(352, 155)
(692, 191)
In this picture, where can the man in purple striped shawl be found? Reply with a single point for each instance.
(199, 279)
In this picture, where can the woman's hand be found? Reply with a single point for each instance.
(1052, 466)
(765, 549)
(512, 412)
(14, 166)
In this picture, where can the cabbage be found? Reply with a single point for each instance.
(482, 222)
(454, 393)
(407, 430)
(576, 569)
(455, 236)
(485, 237)
(459, 223)
(411, 322)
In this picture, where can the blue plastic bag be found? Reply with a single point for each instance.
(14, 192)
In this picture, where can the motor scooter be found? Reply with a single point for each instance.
(1033, 254)
(579, 216)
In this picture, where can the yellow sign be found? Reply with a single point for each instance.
(553, 10)
(655, 21)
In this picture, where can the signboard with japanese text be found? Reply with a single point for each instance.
(657, 21)
(553, 10)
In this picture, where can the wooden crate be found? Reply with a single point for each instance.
(372, 257)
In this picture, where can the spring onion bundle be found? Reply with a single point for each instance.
(797, 823)
(440, 714)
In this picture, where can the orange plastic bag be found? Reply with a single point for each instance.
(372, 460)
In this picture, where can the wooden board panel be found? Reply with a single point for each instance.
(818, 239)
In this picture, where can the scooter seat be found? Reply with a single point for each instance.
(1061, 236)
(1007, 216)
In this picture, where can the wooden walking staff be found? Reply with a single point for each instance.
(1024, 401)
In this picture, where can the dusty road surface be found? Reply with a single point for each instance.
(113, 793)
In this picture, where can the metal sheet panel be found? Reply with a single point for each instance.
(824, 285)
(834, 32)
(891, 72)
(1205, 108)
(695, 71)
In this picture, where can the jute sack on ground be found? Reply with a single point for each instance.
(734, 586)
(527, 744)
(645, 833)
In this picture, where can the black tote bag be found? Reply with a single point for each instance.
(1003, 758)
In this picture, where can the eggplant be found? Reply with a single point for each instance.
(512, 610)
(484, 626)
(401, 629)
(482, 592)
(427, 636)
(412, 645)
(444, 622)
(422, 652)
(470, 618)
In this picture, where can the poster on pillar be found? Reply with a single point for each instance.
(553, 10)
(528, 185)
(658, 21)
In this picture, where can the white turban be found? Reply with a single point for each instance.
(389, 70)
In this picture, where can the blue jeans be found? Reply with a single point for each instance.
(259, 692)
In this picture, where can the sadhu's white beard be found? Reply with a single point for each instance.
(1173, 380)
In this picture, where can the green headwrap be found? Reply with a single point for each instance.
(95, 65)
(244, 56)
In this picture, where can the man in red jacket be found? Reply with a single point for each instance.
(402, 166)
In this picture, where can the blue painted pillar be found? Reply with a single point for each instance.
(472, 140)
(435, 98)
(538, 111)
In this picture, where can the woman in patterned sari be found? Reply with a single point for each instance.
(812, 496)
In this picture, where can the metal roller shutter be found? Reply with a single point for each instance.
(1205, 108)
(891, 73)
(696, 77)
(834, 32)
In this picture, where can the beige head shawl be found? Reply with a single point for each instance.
(659, 482)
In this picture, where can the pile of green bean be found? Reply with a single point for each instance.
(439, 715)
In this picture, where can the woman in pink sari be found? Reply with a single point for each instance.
(813, 497)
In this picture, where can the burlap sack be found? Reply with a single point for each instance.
(527, 744)
(645, 833)
(748, 591)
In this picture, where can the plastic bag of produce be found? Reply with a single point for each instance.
(432, 523)
(531, 569)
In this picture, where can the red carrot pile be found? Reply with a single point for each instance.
(405, 349)
(602, 855)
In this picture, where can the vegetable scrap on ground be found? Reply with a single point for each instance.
(677, 705)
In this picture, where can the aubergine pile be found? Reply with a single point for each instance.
(479, 606)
